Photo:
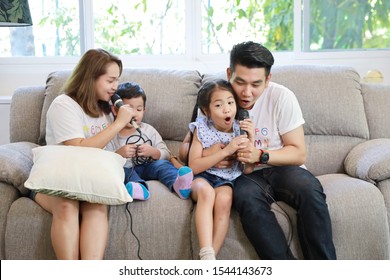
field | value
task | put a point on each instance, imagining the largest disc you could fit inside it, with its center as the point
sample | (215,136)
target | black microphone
(118,102)
(242,115)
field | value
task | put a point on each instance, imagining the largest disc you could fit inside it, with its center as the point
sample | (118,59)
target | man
(279,152)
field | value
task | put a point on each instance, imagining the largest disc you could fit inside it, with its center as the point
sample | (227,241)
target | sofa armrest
(369,160)
(16,160)
(25,114)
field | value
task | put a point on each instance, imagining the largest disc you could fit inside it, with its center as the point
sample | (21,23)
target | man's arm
(292,153)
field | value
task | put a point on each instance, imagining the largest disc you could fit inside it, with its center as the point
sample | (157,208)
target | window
(196,28)
(225,23)
(140,27)
(55,31)
(346,25)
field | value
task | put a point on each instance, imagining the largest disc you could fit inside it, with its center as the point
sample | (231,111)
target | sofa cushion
(25,114)
(358,214)
(162,225)
(16,160)
(369,160)
(54,83)
(87,174)
(173,93)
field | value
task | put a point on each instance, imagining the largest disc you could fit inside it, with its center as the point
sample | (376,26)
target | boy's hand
(146,150)
(127,151)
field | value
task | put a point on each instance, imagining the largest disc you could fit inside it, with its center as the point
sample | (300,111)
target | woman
(81,117)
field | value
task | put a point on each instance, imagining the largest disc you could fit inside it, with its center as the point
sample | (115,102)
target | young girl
(81,117)
(212,187)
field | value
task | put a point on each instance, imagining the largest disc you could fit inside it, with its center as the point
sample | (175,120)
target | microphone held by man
(242,115)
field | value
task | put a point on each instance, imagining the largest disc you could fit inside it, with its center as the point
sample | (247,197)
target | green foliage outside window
(158,27)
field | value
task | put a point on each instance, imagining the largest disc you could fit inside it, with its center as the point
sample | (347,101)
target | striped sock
(137,191)
(182,185)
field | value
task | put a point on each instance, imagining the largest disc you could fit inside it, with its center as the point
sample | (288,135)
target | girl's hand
(227,162)
(237,143)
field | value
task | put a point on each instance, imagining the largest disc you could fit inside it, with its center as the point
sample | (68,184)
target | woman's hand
(125,114)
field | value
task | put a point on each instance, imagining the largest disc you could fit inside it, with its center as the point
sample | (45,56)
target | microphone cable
(132,231)
(135,139)
(136,160)
(131,219)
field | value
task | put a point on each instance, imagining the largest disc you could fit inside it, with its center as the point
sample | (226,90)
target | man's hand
(249,154)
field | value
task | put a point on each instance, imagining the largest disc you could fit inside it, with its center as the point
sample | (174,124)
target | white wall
(18,72)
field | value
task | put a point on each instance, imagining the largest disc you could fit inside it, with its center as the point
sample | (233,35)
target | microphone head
(116,100)
(242,114)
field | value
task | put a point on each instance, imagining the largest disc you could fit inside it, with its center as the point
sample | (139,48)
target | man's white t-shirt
(66,120)
(275,113)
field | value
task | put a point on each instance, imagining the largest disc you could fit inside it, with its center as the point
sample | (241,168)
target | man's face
(248,84)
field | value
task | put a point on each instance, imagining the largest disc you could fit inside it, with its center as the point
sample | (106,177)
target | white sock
(207,253)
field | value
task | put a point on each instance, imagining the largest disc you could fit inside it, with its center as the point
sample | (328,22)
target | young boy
(148,157)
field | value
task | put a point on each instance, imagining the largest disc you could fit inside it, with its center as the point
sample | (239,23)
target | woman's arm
(101,139)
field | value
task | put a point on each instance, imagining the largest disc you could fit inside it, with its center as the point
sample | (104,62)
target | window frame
(193,50)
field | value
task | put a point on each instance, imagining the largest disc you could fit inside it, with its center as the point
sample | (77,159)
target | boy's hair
(251,55)
(131,90)
(81,83)
(206,91)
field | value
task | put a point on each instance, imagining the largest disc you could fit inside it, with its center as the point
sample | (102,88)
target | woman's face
(222,110)
(107,84)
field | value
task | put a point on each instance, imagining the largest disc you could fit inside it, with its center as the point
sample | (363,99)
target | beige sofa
(348,139)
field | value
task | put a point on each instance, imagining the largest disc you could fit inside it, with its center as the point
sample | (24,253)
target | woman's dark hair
(251,55)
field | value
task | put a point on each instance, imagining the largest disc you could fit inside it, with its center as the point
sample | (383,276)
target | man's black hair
(251,55)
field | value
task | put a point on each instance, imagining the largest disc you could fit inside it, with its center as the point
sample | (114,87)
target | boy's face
(248,84)
(137,104)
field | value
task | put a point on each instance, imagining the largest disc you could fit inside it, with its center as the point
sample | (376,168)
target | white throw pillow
(81,173)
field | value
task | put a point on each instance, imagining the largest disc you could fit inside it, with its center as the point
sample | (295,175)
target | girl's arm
(199,163)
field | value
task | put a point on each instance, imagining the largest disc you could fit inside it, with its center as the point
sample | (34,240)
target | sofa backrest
(170,97)
(334,104)
(333,108)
